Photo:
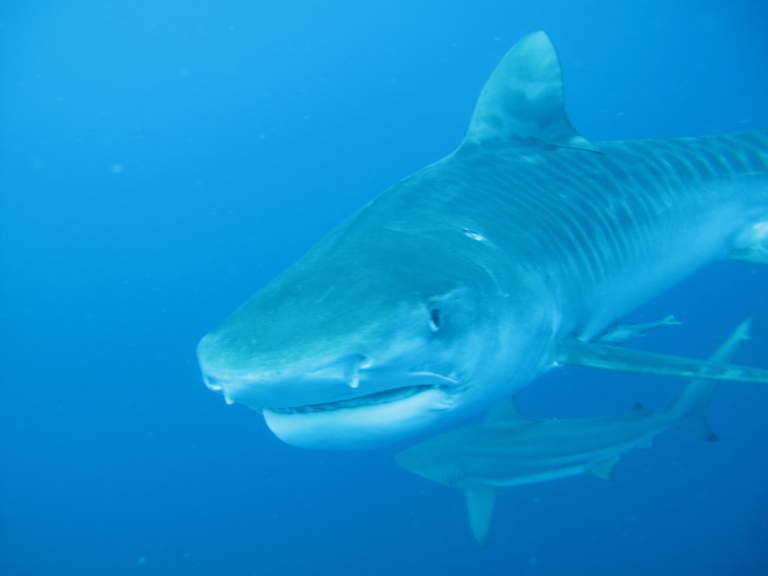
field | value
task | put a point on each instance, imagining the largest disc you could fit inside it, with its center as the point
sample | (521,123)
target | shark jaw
(366,409)
(365,421)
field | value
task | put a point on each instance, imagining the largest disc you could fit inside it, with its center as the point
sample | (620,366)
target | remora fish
(510,450)
(622,332)
(470,278)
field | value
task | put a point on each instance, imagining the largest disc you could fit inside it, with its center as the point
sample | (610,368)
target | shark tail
(690,406)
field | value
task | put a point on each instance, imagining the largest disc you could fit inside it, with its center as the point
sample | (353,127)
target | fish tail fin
(694,400)
(698,425)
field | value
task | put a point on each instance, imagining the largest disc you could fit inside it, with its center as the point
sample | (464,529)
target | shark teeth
(387,396)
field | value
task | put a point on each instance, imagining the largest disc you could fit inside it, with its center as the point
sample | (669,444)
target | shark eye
(434,319)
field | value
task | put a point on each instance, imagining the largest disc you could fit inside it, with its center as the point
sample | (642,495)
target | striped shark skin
(472,277)
(511,450)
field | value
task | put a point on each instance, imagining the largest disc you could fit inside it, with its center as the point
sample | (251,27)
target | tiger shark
(511,450)
(477,274)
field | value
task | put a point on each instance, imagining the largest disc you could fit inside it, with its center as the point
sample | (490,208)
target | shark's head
(374,336)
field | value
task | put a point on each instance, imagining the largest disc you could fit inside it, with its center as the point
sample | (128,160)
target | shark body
(511,450)
(470,278)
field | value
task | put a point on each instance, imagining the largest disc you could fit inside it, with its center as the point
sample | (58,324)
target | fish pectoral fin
(601,356)
(480,501)
(699,427)
(639,410)
(605,469)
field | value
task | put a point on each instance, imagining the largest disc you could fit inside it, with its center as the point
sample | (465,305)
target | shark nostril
(354,381)
(211,382)
(434,319)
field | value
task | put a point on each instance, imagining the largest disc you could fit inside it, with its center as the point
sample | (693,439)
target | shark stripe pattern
(606,218)
(472,277)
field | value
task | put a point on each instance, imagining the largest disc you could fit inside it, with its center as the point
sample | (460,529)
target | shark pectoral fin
(752,245)
(523,99)
(699,427)
(480,501)
(604,470)
(756,255)
(577,353)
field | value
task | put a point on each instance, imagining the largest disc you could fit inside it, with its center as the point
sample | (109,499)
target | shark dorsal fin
(507,410)
(523,99)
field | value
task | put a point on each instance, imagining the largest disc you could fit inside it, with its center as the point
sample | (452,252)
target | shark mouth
(384,397)
(365,421)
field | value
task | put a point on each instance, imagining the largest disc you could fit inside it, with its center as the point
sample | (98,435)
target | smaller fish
(509,449)
(622,332)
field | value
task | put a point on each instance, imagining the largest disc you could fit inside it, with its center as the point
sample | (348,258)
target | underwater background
(162,160)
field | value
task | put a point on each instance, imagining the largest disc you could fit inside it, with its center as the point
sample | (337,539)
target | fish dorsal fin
(506,411)
(639,409)
(480,500)
(523,99)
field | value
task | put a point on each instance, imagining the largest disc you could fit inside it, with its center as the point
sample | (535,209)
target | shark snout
(261,384)
(351,399)
(278,384)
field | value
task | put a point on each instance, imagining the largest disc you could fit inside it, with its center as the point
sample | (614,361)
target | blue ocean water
(161,161)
